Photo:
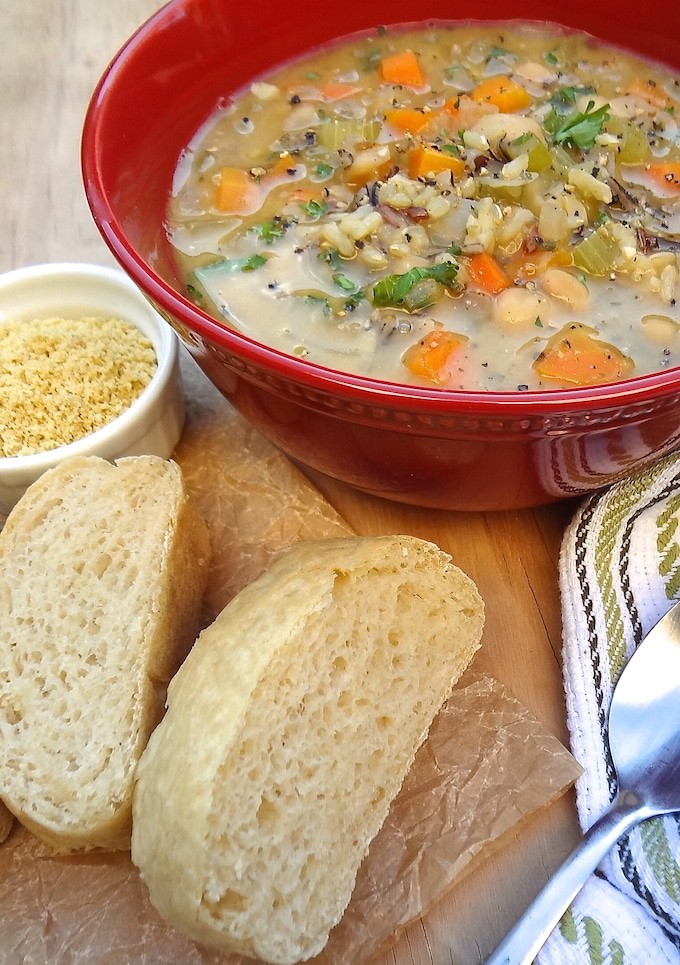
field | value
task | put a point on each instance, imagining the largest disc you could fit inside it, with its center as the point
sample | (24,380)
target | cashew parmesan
(63,378)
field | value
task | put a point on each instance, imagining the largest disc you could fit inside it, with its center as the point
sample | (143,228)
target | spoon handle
(526,938)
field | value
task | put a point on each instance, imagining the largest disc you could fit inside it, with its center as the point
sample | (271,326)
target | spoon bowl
(644,742)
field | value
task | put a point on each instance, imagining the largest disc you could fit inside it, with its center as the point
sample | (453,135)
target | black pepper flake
(295,99)
(523,388)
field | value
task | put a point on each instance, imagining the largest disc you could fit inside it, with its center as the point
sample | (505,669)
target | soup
(466,206)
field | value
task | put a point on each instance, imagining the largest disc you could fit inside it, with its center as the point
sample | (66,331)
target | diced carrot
(452,107)
(648,90)
(407,119)
(573,355)
(335,90)
(429,358)
(283,163)
(402,68)
(423,161)
(503,92)
(236,192)
(486,275)
(664,175)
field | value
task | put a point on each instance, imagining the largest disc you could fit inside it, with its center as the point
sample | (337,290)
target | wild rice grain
(63,378)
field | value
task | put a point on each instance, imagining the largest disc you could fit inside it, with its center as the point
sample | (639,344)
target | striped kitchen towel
(619,573)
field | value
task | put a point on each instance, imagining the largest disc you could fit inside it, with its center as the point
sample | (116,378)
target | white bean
(660,329)
(520,308)
(565,286)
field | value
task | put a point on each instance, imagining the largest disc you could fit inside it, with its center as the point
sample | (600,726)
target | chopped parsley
(450,149)
(331,256)
(392,290)
(315,209)
(319,300)
(578,128)
(353,300)
(564,99)
(254,262)
(269,231)
(330,305)
(228,265)
(342,281)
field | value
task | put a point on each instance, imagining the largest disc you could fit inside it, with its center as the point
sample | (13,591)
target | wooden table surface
(53,53)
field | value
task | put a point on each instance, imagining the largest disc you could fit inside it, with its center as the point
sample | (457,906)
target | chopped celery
(561,160)
(597,253)
(540,157)
(423,294)
(334,134)
(500,190)
(633,144)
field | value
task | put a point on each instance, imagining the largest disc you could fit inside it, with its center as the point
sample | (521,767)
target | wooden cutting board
(53,54)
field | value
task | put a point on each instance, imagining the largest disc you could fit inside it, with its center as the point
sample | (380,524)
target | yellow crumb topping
(62,378)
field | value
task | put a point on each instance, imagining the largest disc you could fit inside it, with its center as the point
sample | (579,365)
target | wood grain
(53,54)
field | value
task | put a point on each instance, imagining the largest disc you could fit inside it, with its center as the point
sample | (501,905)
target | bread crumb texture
(63,378)
(103,569)
(293,723)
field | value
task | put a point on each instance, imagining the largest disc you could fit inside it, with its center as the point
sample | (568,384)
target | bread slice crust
(289,730)
(103,570)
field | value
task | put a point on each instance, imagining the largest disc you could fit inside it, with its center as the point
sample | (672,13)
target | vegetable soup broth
(469,207)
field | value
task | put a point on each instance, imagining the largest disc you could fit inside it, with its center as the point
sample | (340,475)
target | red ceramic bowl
(453,450)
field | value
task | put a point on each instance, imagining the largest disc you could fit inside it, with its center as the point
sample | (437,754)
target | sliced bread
(289,730)
(102,573)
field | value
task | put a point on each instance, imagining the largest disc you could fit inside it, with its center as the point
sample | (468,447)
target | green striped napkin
(619,573)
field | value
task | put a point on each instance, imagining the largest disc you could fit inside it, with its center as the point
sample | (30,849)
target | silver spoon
(644,740)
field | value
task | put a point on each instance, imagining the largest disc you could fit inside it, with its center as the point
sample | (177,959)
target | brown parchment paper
(255,501)
(486,764)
